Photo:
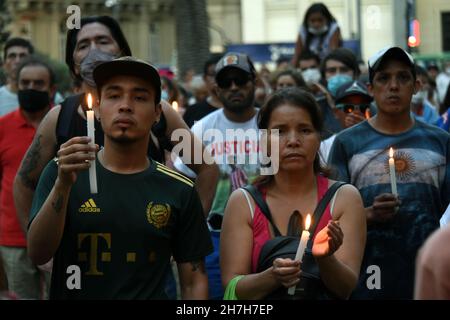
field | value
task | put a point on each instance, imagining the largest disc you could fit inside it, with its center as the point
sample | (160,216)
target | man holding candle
(99,39)
(397,224)
(123,237)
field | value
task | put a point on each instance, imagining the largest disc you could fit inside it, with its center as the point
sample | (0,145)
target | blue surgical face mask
(336,81)
(164,95)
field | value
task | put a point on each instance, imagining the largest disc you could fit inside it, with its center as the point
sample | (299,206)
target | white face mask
(319,31)
(311,76)
(419,97)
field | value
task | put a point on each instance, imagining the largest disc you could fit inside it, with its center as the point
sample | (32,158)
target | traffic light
(414,34)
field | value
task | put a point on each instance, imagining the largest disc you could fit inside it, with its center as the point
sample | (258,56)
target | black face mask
(32,100)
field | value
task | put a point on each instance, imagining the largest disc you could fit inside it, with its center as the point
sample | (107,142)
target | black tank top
(71,124)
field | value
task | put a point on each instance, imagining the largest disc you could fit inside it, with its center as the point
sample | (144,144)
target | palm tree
(192,23)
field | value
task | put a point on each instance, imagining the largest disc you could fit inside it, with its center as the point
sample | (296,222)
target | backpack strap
(261,203)
(320,209)
(63,126)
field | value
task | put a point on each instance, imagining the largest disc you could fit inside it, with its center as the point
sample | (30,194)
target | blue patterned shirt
(360,156)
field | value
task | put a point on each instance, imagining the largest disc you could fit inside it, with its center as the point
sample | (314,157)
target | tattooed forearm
(58,203)
(198,266)
(30,163)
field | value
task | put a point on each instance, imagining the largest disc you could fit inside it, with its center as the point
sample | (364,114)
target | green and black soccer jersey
(123,237)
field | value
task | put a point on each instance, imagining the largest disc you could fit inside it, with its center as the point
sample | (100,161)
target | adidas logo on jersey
(89,206)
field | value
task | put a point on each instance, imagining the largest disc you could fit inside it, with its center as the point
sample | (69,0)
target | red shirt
(16,136)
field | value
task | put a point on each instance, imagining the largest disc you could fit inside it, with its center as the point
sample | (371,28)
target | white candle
(175,106)
(302,247)
(392,172)
(91,134)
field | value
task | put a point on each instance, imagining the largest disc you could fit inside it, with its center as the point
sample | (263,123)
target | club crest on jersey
(158,214)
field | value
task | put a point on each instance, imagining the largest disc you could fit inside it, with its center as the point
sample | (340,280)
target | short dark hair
(17,42)
(420,71)
(298,98)
(344,55)
(107,21)
(213,59)
(35,61)
(299,81)
(309,55)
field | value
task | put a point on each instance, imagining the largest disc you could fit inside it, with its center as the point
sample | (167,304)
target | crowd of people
(168,225)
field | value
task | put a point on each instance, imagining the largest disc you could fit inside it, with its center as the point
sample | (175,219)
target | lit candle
(175,106)
(302,246)
(91,134)
(392,172)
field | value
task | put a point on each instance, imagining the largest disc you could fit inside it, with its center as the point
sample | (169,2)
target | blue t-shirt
(360,156)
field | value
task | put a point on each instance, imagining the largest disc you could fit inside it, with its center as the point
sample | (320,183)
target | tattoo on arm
(30,163)
(198,265)
(58,203)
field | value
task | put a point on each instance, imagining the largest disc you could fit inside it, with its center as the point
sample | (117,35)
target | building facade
(149,25)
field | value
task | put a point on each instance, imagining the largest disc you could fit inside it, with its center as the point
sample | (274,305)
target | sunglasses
(225,82)
(349,108)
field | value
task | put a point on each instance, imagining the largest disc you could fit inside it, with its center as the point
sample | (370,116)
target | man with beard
(123,237)
(99,39)
(36,84)
(227,134)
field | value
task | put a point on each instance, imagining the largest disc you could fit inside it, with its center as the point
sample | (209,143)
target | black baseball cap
(129,66)
(390,52)
(235,60)
(352,88)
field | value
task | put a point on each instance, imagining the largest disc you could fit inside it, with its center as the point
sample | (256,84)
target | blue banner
(271,52)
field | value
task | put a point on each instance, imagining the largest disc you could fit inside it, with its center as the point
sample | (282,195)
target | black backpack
(310,286)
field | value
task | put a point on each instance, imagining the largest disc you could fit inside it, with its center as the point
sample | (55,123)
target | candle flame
(307,222)
(175,106)
(391,153)
(89,101)
(367,114)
